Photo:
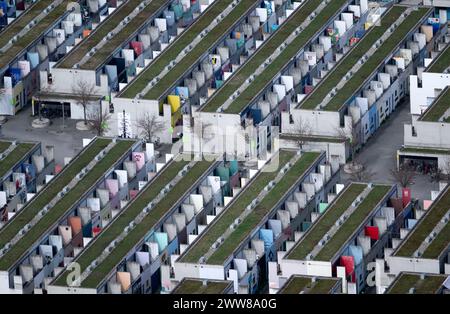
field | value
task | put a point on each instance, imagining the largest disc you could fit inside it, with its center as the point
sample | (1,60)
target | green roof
(312,138)
(358,78)
(171,52)
(297,284)
(221,29)
(17,154)
(30,210)
(268,48)
(23,20)
(60,208)
(424,227)
(197,286)
(139,232)
(421,150)
(249,223)
(348,61)
(4,146)
(129,213)
(255,60)
(431,284)
(229,215)
(321,226)
(102,55)
(361,213)
(438,108)
(441,63)
(34,33)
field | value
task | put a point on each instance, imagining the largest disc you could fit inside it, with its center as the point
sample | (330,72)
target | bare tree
(361,174)
(404,175)
(303,129)
(150,125)
(85,92)
(350,133)
(98,121)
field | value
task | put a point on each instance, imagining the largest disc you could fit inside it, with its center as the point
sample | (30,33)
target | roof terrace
(406,283)
(268,48)
(35,32)
(370,65)
(117,17)
(62,205)
(309,285)
(441,63)
(156,215)
(438,108)
(11,159)
(425,226)
(221,29)
(201,286)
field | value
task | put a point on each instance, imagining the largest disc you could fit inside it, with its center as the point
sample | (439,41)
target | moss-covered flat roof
(421,150)
(441,62)
(17,154)
(238,205)
(351,225)
(199,286)
(4,145)
(312,138)
(102,55)
(353,84)
(267,49)
(221,29)
(128,214)
(348,61)
(424,227)
(235,239)
(261,81)
(304,284)
(138,233)
(431,284)
(63,205)
(321,226)
(105,52)
(37,31)
(438,108)
(52,189)
(23,20)
(174,49)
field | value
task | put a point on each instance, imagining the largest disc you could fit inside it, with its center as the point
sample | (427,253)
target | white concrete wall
(321,123)
(420,97)
(429,134)
(64,80)
(332,149)
(437,3)
(67,290)
(137,108)
(398,264)
(313,268)
(204,271)
(4,283)
(223,133)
